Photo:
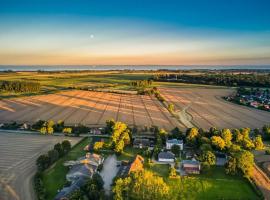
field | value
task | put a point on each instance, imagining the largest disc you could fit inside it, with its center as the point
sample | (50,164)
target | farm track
(165,113)
(208,109)
(262,182)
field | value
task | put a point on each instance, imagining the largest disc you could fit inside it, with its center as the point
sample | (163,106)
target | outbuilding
(166,157)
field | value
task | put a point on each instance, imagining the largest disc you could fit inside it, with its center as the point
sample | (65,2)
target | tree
(120,136)
(97,179)
(231,166)
(245,162)
(43,162)
(98,145)
(248,144)
(258,143)
(209,158)
(234,148)
(53,155)
(121,188)
(67,131)
(109,126)
(192,135)
(76,195)
(119,147)
(43,130)
(58,147)
(172,172)
(50,130)
(177,134)
(176,150)
(66,146)
(171,108)
(227,137)
(266,131)
(141,185)
(205,147)
(238,137)
(218,142)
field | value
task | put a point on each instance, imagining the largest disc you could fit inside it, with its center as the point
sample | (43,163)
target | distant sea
(129,67)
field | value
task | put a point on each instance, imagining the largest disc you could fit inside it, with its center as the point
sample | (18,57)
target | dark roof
(166,155)
(191,162)
(145,142)
(66,191)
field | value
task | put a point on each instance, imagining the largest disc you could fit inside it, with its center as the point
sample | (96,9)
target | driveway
(109,171)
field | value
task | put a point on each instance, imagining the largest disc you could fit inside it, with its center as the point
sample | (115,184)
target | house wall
(165,160)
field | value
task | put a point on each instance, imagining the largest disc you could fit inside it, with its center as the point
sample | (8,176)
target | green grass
(160,169)
(53,82)
(129,153)
(214,184)
(55,177)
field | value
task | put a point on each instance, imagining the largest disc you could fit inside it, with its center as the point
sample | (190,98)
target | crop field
(17,164)
(88,108)
(205,108)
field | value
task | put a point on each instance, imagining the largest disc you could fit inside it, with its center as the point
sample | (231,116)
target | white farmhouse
(170,143)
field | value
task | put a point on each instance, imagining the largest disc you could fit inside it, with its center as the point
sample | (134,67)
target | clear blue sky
(123,31)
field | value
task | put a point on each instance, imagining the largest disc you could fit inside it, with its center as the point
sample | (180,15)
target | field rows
(17,164)
(89,108)
(208,109)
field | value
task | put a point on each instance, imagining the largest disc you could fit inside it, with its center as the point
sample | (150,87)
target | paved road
(18,153)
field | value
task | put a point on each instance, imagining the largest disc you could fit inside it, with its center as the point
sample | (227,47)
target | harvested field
(208,109)
(17,164)
(89,108)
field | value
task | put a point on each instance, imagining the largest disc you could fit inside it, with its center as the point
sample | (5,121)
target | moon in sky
(92,36)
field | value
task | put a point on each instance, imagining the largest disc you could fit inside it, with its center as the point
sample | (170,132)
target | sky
(134,32)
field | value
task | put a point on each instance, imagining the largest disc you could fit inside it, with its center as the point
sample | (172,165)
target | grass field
(214,184)
(55,177)
(55,81)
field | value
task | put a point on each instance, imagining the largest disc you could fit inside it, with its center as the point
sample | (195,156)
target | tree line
(20,86)
(224,79)
(44,161)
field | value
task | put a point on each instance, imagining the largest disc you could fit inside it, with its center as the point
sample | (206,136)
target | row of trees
(226,79)
(49,127)
(20,86)
(142,83)
(236,144)
(44,161)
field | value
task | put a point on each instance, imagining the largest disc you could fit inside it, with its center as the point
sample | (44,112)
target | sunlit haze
(121,32)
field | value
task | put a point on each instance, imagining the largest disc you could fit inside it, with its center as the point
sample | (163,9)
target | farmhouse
(166,157)
(80,170)
(191,166)
(170,143)
(136,165)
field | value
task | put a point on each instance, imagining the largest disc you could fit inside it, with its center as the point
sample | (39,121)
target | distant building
(170,143)
(166,157)
(191,166)
(141,143)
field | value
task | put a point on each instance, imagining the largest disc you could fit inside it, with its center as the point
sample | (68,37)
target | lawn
(129,153)
(214,184)
(55,177)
